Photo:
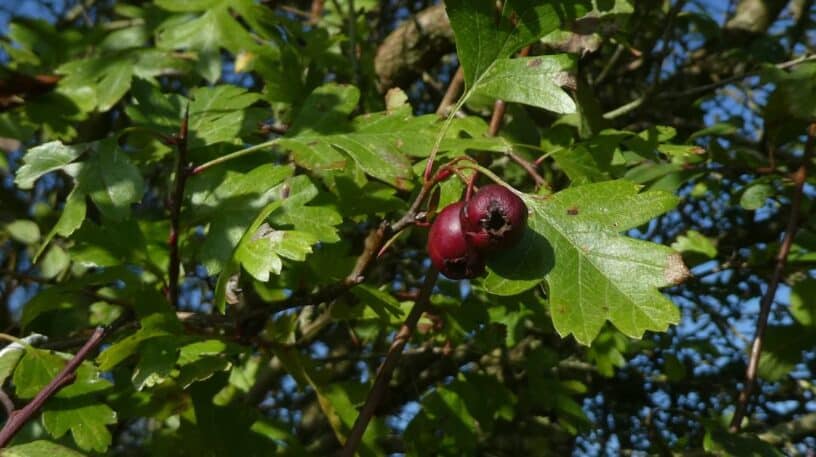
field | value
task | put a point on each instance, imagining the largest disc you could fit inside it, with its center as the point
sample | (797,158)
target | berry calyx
(494,218)
(449,250)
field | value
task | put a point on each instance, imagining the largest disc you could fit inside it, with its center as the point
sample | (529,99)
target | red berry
(449,250)
(495,218)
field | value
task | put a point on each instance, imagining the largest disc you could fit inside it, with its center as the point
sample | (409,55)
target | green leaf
(696,244)
(592,265)
(111,180)
(217,113)
(108,245)
(183,6)
(482,37)
(755,196)
(158,358)
(607,351)
(151,107)
(722,443)
(12,353)
(379,143)
(611,206)
(259,258)
(54,262)
(199,350)
(381,302)
(205,35)
(443,409)
(24,231)
(783,349)
(515,270)
(87,423)
(231,202)
(108,77)
(45,158)
(71,218)
(803,302)
(534,81)
(319,221)
(40,449)
(153,326)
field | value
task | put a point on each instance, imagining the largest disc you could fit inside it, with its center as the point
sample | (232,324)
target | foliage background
(708,101)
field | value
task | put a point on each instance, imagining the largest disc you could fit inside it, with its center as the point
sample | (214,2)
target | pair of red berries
(465,232)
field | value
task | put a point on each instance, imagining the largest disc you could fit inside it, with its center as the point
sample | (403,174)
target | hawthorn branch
(386,369)
(176,198)
(316,11)
(454,88)
(799,177)
(499,109)
(18,418)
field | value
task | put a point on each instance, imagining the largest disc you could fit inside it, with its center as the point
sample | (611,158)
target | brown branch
(798,177)
(529,168)
(18,418)
(316,12)
(735,78)
(182,172)
(454,89)
(499,109)
(8,405)
(386,369)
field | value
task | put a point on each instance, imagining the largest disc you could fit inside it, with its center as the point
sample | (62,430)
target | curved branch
(781,259)
(375,395)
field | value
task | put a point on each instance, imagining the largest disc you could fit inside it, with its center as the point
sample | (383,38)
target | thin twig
(739,77)
(233,155)
(182,172)
(499,109)
(316,12)
(386,369)
(781,259)
(8,405)
(454,88)
(529,168)
(18,418)
(636,103)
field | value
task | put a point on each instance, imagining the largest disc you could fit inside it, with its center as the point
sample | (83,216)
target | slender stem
(799,177)
(386,369)
(316,11)
(739,77)
(10,338)
(499,108)
(454,88)
(176,198)
(233,155)
(8,405)
(636,103)
(626,108)
(18,418)
(441,135)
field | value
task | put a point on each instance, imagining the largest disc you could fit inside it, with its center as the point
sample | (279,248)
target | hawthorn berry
(494,218)
(449,250)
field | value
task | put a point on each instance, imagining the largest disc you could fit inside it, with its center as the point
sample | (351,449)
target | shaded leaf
(40,449)
(24,231)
